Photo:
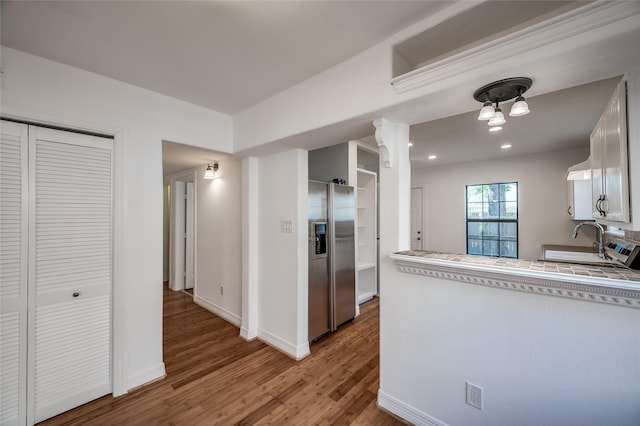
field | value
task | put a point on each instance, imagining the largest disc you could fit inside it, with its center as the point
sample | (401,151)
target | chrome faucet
(600,241)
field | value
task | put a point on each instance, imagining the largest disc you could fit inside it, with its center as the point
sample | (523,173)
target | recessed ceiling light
(410,144)
(506,146)
(495,128)
(432,157)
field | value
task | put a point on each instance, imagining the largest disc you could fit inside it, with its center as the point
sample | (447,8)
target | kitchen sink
(573,254)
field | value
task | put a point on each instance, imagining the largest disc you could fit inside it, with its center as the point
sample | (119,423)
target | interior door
(70,270)
(13,272)
(416,219)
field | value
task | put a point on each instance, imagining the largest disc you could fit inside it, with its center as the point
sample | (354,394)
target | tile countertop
(607,272)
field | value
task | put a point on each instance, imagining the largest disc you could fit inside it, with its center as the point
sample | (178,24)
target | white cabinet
(609,162)
(367,200)
(579,199)
(579,191)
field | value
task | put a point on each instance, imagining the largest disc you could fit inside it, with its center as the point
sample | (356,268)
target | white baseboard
(247,334)
(218,310)
(406,411)
(288,348)
(146,376)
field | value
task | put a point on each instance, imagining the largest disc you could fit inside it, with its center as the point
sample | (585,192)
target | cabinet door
(616,179)
(597,164)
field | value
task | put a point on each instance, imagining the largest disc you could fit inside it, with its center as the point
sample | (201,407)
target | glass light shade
(209,173)
(498,119)
(487,112)
(520,107)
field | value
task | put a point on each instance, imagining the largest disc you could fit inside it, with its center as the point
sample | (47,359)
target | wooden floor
(216,378)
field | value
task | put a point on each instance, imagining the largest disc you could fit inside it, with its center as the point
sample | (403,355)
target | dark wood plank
(215,377)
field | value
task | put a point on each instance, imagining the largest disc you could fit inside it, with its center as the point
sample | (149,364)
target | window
(492,219)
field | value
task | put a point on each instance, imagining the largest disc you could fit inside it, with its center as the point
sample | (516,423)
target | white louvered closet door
(70,270)
(13,272)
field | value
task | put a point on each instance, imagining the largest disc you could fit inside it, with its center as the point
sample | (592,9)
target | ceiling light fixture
(506,146)
(210,171)
(495,128)
(432,157)
(501,91)
(410,144)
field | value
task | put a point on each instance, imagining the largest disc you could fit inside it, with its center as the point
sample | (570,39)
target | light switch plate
(286,226)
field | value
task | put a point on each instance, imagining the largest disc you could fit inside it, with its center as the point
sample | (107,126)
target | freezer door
(319,278)
(343,263)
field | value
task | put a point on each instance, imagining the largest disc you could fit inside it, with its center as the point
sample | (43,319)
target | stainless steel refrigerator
(332,260)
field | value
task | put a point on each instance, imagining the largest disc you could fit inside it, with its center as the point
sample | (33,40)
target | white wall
(326,164)
(541,360)
(283,257)
(219,241)
(542,196)
(44,91)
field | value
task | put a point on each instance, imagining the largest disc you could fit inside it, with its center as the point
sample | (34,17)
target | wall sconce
(210,171)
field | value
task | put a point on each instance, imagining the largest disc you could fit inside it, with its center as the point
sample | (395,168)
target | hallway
(215,377)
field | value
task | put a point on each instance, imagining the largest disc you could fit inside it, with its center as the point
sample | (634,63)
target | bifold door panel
(68,272)
(13,273)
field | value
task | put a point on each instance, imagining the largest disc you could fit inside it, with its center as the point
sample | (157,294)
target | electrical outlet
(474,395)
(221,291)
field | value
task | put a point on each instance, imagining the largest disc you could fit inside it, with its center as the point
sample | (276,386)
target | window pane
(490,230)
(490,193)
(508,231)
(474,194)
(509,191)
(474,210)
(490,248)
(509,210)
(474,230)
(508,249)
(474,246)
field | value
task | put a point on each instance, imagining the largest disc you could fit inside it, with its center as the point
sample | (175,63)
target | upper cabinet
(609,161)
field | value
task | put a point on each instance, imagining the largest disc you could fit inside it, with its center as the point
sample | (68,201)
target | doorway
(182,233)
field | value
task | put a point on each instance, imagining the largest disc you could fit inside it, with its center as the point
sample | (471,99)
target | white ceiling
(223,55)
(559,120)
(230,55)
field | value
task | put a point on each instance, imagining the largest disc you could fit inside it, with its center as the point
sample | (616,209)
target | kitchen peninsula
(546,343)
(605,284)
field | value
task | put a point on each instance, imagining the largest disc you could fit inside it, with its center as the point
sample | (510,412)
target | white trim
(406,411)
(577,22)
(120,144)
(250,244)
(288,348)
(608,291)
(149,375)
(218,310)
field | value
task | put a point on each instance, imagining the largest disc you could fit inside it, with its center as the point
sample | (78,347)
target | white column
(249,327)
(394,202)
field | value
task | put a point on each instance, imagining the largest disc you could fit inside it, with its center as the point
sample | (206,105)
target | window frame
(498,221)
